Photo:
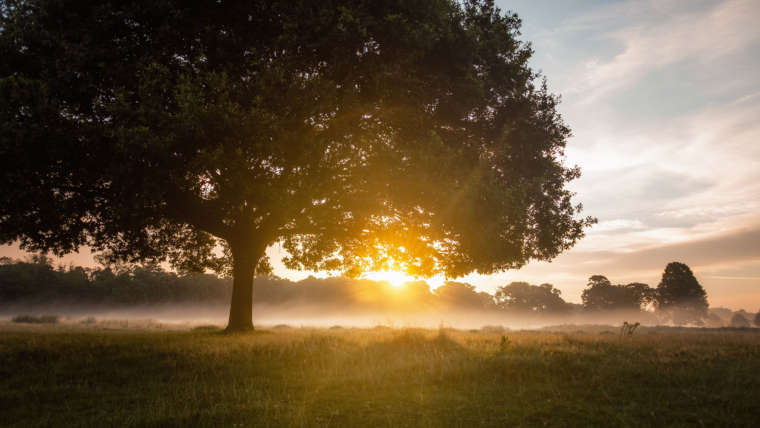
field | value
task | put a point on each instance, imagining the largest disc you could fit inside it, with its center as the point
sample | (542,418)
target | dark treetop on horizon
(602,295)
(357,134)
(680,293)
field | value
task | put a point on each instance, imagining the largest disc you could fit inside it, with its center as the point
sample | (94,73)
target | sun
(397,278)
(394,278)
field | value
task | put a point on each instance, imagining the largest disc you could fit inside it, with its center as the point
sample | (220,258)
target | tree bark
(244,263)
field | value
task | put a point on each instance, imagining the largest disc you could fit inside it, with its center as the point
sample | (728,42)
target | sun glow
(398,279)
(394,278)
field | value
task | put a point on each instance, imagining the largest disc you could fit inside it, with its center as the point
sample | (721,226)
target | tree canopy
(461,295)
(739,321)
(681,295)
(358,134)
(533,298)
(601,294)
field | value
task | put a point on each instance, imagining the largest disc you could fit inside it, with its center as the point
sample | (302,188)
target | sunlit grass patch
(377,377)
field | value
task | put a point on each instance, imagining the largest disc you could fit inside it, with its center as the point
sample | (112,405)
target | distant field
(61,375)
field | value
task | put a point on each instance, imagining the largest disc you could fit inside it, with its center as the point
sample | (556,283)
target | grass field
(86,376)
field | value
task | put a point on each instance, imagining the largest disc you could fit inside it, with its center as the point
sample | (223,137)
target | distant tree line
(36,281)
(678,297)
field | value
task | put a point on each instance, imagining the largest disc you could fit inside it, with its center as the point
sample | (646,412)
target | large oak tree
(370,134)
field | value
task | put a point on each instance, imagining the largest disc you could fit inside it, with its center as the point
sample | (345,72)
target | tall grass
(379,377)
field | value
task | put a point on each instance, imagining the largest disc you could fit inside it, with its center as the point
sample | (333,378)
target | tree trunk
(241,307)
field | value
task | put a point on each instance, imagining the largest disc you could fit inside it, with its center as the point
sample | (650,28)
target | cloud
(693,175)
(618,225)
(672,32)
(729,248)
(726,264)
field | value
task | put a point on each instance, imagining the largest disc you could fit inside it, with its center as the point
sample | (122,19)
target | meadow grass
(67,376)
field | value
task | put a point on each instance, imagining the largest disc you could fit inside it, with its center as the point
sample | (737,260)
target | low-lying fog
(316,316)
(32,289)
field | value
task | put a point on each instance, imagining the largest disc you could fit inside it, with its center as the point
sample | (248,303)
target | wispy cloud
(672,33)
(726,264)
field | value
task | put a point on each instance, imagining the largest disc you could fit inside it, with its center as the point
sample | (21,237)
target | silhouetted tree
(756,319)
(713,320)
(360,135)
(680,295)
(458,295)
(17,280)
(724,314)
(526,297)
(601,294)
(744,313)
(36,283)
(642,294)
(739,321)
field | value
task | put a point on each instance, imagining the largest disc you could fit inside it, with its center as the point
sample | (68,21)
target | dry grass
(58,375)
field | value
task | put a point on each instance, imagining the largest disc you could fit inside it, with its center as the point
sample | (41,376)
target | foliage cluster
(530,298)
(602,295)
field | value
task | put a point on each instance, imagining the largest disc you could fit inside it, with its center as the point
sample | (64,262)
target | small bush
(31,319)
(89,320)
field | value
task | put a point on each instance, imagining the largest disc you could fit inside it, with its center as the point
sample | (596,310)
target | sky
(663,98)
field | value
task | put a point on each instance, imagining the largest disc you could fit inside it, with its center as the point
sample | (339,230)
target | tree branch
(186,207)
